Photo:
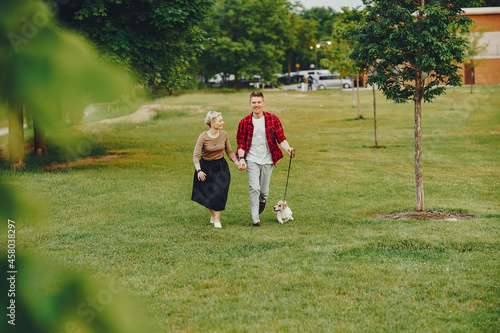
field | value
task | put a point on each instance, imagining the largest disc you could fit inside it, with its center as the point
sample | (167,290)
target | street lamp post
(316,51)
(312,48)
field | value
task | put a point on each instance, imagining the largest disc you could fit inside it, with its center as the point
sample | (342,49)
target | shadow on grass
(60,152)
(358,118)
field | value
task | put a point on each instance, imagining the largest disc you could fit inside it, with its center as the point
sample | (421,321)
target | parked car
(331,82)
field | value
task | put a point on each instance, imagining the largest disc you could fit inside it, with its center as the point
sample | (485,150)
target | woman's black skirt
(212,193)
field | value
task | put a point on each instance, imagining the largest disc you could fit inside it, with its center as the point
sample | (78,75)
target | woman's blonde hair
(210,117)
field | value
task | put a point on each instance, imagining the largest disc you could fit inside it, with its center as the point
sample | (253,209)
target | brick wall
(490,22)
(488,70)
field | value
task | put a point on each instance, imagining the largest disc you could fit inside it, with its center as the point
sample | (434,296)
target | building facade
(487,63)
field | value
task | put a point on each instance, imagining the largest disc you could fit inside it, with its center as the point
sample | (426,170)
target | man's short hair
(256,94)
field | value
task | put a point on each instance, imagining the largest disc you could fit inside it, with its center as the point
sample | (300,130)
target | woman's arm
(196,158)
(230,152)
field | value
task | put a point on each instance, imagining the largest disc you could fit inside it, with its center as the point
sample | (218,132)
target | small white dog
(284,212)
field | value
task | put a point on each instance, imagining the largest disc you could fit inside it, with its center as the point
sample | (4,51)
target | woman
(212,176)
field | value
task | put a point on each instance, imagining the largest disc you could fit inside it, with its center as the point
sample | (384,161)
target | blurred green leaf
(48,298)
(51,71)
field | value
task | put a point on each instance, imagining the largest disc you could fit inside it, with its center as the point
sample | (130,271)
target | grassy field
(335,267)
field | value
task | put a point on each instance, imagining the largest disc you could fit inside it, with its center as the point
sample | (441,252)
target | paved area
(5,130)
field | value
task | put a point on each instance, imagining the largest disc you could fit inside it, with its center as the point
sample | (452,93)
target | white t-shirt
(259,150)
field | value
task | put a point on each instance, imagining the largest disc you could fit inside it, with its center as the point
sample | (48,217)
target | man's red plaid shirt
(274,134)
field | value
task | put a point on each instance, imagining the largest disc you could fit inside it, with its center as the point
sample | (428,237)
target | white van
(219,78)
(315,73)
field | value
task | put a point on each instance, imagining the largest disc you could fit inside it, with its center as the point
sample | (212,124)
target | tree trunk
(472,78)
(341,94)
(353,99)
(237,81)
(357,90)
(16,135)
(40,142)
(419,170)
(454,97)
(375,115)
(289,65)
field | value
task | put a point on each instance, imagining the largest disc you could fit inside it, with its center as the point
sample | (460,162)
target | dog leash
(289,166)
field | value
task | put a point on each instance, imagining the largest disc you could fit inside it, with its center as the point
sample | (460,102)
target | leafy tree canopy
(323,17)
(337,53)
(403,40)
(155,39)
(302,33)
(248,37)
(49,70)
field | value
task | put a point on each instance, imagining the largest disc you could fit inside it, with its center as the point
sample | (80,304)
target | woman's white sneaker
(217,225)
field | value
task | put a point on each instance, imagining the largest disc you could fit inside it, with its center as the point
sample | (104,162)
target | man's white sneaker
(217,225)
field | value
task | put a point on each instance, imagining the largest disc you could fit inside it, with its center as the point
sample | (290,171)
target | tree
(301,33)
(324,18)
(414,53)
(375,121)
(474,35)
(337,53)
(16,134)
(46,71)
(248,37)
(155,39)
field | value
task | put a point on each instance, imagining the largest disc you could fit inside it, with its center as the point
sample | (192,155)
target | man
(258,136)
(310,81)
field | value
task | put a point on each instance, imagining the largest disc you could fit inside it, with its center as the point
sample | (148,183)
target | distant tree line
(164,44)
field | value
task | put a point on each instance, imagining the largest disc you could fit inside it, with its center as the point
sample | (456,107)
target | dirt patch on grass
(148,112)
(144,113)
(426,215)
(64,166)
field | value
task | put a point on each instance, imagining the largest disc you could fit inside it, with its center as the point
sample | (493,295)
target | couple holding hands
(258,136)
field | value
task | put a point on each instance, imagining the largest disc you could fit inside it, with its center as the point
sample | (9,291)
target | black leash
(289,166)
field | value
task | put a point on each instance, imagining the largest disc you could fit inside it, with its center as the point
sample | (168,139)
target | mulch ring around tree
(426,215)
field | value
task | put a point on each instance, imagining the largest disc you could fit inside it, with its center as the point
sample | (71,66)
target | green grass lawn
(335,267)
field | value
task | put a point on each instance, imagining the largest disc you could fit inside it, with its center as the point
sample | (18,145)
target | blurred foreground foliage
(49,298)
(52,75)
(157,40)
(53,72)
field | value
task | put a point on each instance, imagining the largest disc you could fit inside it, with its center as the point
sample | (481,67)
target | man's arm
(285,145)
(242,165)
(240,140)
(241,153)
(280,136)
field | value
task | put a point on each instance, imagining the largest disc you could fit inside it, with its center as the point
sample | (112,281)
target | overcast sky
(335,4)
